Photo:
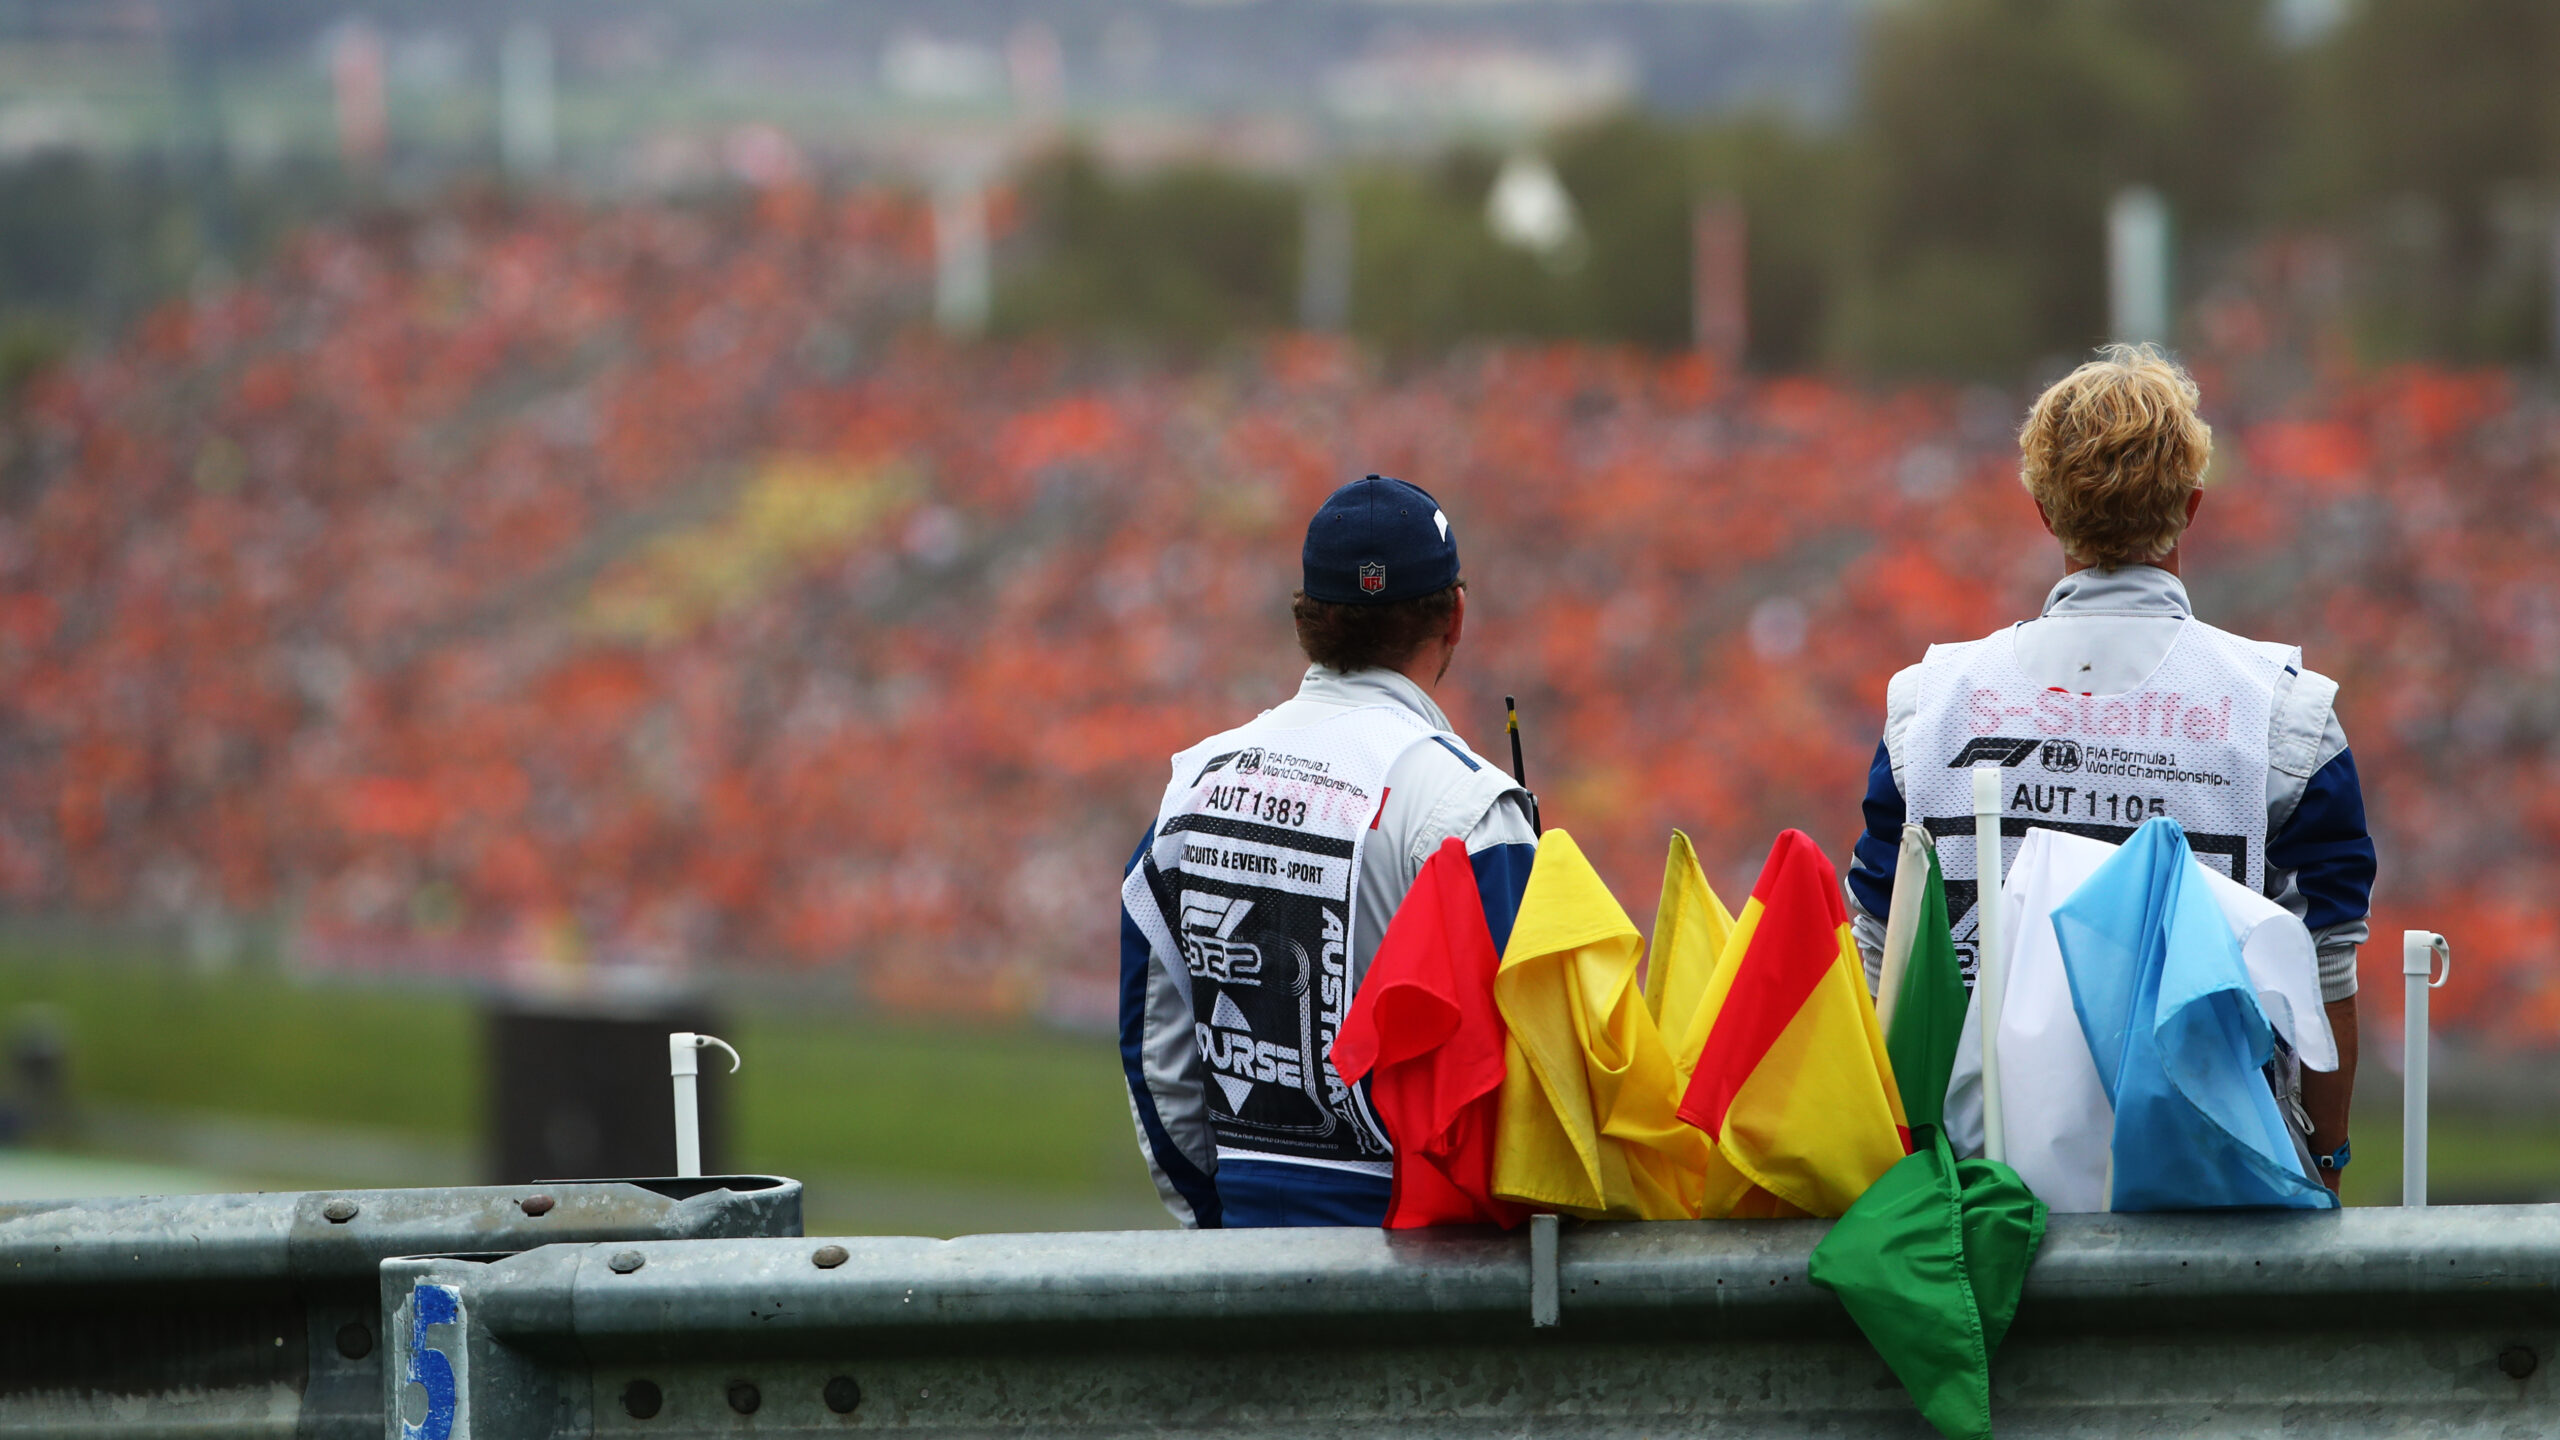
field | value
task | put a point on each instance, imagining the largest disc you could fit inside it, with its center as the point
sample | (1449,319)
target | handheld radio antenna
(1520,772)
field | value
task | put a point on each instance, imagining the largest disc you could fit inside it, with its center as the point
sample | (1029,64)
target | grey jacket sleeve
(1160,1059)
(1869,882)
(1175,1084)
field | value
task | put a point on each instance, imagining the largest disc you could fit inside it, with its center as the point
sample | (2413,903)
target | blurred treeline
(1954,225)
(87,244)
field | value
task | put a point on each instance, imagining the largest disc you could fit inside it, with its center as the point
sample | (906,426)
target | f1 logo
(2008,752)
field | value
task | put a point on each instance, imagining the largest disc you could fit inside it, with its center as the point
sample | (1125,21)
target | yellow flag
(1694,951)
(1590,1096)
(1690,930)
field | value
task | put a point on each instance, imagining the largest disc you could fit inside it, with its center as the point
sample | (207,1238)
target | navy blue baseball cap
(1378,540)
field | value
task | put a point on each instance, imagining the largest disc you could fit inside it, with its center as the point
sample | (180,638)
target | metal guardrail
(2367,1322)
(257,1315)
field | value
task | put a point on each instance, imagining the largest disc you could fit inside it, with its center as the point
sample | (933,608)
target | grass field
(896,1127)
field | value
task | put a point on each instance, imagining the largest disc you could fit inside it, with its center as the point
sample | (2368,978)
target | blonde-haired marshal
(2112,453)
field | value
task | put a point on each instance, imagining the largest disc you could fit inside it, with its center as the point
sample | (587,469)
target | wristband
(2336,1160)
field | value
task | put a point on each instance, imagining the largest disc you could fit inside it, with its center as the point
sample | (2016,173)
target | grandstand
(520,588)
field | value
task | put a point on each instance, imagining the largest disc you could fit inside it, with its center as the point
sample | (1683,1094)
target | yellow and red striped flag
(1692,946)
(1793,1084)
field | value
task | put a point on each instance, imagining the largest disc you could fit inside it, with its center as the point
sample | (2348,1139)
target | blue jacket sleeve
(1879,848)
(2326,846)
(1502,877)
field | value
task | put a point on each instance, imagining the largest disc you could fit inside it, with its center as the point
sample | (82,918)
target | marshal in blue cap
(1252,909)
(1376,541)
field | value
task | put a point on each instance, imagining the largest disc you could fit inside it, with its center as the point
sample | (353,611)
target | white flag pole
(684,1062)
(2419,951)
(1990,976)
(1902,921)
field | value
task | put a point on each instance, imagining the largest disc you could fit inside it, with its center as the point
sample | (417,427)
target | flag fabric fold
(1931,1259)
(2055,1118)
(1691,929)
(2173,1022)
(1930,1262)
(1692,943)
(1928,1008)
(1588,1114)
(1793,1083)
(1424,1028)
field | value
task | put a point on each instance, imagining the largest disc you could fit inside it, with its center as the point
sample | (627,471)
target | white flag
(2058,1123)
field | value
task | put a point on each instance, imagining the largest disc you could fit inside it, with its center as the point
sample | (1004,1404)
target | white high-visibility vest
(2190,742)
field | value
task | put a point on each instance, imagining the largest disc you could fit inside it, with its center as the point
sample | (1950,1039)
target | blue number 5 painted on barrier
(431,1370)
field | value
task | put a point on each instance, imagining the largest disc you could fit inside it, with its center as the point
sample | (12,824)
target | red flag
(1424,1022)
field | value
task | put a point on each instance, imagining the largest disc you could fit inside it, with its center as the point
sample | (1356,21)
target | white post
(684,1062)
(2138,301)
(1902,924)
(1325,254)
(355,80)
(1720,280)
(2419,950)
(963,290)
(526,137)
(1990,975)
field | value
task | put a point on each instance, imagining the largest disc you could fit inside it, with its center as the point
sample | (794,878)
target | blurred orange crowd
(630,589)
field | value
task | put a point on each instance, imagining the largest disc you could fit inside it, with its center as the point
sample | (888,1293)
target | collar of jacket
(2132,590)
(1370,687)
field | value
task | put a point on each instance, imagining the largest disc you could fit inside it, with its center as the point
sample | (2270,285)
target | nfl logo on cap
(1378,541)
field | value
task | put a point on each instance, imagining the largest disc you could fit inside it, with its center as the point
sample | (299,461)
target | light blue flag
(2174,1024)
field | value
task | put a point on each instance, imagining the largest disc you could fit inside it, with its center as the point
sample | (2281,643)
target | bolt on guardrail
(238,1315)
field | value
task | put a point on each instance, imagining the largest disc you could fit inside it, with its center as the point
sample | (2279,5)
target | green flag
(1929,1263)
(1928,1016)
(1931,1259)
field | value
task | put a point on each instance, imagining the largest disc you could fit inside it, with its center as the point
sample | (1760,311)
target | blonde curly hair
(2112,451)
